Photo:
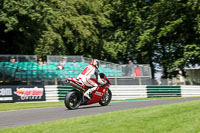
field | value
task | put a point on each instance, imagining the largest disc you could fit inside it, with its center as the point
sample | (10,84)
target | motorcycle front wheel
(73,100)
(105,100)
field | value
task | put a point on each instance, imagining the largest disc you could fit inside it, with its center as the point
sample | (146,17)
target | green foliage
(53,27)
(166,32)
(170,28)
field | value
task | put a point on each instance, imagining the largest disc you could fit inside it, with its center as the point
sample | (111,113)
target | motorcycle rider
(85,77)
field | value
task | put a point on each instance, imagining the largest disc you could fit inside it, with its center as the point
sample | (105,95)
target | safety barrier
(163,91)
(119,92)
(128,91)
(58,93)
(190,91)
(53,93)
(62,91)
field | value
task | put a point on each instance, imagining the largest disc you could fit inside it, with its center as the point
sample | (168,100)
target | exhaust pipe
(75,85)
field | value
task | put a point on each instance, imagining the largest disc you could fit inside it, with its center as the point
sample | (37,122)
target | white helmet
(95,63)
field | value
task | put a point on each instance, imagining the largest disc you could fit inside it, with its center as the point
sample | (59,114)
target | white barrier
(122,92)
(190,91)
(118,92)
(51,93)
(128,91)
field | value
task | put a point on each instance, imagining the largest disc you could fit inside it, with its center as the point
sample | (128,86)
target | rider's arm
(98,78)
(100,81)
(96,73)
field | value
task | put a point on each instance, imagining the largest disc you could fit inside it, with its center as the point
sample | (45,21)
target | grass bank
(28,105)
(173,118)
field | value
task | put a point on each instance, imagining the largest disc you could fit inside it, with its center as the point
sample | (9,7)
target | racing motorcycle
(75,97)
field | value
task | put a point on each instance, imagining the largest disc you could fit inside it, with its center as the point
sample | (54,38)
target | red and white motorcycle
(75,97)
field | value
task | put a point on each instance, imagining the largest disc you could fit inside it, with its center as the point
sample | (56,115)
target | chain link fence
(110,69)
(26,68)
(18,58)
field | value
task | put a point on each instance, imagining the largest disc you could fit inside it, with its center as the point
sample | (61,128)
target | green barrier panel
(163,91)
(63,90)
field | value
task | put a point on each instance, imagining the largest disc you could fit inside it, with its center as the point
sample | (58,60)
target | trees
(52,27)
(19,25)
(171,28)
(164,32)
(127,20)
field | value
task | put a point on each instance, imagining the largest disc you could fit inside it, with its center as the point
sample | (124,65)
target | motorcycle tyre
(108,101)
(67,100)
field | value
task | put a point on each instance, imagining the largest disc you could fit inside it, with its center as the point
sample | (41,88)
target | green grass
(28,105)
(173,118)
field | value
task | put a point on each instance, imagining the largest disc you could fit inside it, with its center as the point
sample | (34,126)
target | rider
(85,76)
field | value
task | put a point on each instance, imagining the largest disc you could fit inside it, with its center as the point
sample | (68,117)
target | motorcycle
(76,98)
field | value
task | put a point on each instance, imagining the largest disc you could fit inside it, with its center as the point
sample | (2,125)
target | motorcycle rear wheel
(73,100)
(105,100)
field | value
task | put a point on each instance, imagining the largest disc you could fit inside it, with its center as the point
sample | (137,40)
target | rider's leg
(89,91)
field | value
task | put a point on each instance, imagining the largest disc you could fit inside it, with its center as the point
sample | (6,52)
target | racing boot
(87,93)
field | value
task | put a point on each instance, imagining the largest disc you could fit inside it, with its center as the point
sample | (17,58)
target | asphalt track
(32,116)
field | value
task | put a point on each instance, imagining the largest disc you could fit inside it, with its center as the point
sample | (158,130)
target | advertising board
(6,94)
(21,93)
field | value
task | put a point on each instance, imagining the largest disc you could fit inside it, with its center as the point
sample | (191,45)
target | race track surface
(33,116)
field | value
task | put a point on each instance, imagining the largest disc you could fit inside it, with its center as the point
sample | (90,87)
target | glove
(101,85)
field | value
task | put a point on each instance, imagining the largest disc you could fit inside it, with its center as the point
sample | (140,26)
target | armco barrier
(62,91)
(128,91)
(58,93)
(190,91)
(163,91)
(51,93)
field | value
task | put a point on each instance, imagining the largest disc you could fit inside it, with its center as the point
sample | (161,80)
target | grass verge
(28,105)
(173,118)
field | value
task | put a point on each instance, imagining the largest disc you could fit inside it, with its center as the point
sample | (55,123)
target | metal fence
(14,66)
(67,58)
(18,58)
(16,69)
(25,68)
(112,69)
